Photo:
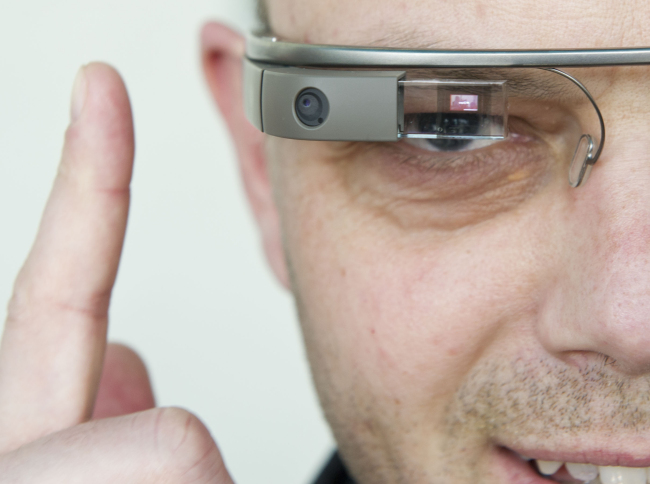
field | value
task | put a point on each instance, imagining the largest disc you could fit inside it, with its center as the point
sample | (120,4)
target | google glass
(446,102)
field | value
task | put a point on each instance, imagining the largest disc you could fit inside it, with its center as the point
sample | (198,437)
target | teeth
(584,472)
(548,467)
(591,474)
(622,475)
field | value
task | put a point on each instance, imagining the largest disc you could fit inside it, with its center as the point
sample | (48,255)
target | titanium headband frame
(270,50)
(275,68)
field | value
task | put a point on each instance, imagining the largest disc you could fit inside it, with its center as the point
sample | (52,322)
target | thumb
(124,387)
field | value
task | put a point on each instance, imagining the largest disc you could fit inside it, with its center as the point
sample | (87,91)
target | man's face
(448,332)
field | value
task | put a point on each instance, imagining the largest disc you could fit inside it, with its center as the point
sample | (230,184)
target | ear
(222,52)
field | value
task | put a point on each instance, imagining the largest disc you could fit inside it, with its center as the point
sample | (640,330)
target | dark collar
(334,472)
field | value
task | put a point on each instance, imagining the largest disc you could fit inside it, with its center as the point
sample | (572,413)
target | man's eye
(450,126)
(449,145)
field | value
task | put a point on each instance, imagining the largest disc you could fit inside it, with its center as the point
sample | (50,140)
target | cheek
(408,322)
(399,317)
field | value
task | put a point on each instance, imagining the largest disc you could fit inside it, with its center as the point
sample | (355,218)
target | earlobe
(222,53)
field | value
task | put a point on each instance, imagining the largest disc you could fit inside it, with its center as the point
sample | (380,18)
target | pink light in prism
(464,102)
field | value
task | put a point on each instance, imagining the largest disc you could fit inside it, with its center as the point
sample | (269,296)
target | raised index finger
(55,334)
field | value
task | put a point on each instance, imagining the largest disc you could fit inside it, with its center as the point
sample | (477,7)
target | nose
(599,304)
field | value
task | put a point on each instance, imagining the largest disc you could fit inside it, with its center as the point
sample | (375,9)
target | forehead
(471,24)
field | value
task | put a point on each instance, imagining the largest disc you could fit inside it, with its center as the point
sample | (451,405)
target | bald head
(477,24)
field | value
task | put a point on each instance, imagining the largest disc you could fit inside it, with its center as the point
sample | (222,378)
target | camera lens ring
(312,107)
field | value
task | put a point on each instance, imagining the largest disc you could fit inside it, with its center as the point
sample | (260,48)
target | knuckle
(31,299)
(38,291)
(184,446)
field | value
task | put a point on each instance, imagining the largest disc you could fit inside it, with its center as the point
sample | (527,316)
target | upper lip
(586,455)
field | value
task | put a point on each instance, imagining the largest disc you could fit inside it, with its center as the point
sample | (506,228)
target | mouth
(577,468)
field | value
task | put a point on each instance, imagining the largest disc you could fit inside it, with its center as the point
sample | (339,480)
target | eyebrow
(521,81)
(406,40)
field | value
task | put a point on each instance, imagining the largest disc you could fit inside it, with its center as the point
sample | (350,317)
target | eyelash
(422,153)
(430,145)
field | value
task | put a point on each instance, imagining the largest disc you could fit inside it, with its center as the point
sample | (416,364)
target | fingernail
(79,90)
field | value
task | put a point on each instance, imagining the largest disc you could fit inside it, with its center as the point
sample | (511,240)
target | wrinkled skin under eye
(418,189)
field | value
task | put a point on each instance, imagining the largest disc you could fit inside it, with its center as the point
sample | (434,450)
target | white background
(194,295)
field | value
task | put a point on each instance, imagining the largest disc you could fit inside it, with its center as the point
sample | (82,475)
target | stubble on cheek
(541,402)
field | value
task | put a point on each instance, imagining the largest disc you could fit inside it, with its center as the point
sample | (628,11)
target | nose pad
(582,161)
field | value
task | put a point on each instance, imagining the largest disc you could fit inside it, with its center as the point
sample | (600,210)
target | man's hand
(54,344)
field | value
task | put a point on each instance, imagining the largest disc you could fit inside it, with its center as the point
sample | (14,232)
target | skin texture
(443,327)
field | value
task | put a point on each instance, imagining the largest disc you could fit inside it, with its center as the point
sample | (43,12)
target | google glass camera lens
(312,107)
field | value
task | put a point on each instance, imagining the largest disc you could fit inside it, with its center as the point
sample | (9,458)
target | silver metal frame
(272,50)
(267,53)
(591,158)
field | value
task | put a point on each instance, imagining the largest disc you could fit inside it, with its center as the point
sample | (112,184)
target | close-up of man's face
(452,204)
(461,318)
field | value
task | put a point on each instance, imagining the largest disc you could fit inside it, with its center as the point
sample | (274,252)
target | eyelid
(426,145)
(405,153)
(461,167)
(416,150)
(492,178)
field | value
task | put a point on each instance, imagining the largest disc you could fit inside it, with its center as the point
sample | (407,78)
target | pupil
(306,103)
(450,144)
(456,124)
